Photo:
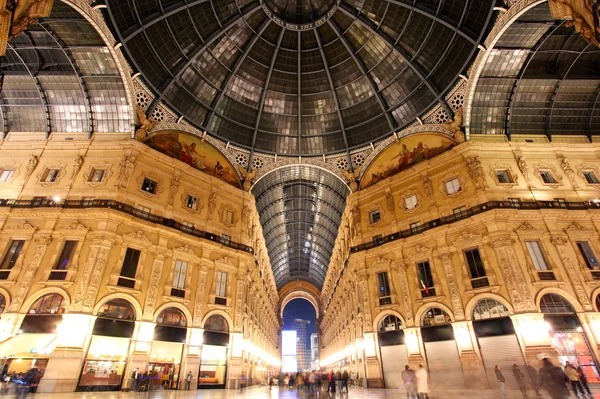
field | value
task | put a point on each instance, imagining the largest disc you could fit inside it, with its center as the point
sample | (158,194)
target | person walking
(338,381)
(188,380)
(573,375)
(535,378)
(408,378)
(331,382)
(312,383)
(520,377)
(422,382)
(134,380)
(554,380)
(501,380)
(345,378)
(243,381)
(583,380)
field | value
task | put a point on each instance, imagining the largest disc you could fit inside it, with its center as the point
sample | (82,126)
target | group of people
(142,382)
(416,383)
(555,380)
(333,382)
(19,383)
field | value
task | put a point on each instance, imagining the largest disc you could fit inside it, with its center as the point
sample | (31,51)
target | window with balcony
(384,289)
(539,260)
(64,261)
(476,268)
(129,268)
(10,258)
(221,289)
(179,277)
(425,279)
(588,254)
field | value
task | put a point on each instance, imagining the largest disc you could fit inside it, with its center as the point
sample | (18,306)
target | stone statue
(390,201)
(352,176)
(146,124)
(31,165)
(523,167)
(212,202)
(76,166)
(454,126)
(476,172)
(125,170)
(428,187)
(579,14)
(566,167)
(174,187)
(248,176)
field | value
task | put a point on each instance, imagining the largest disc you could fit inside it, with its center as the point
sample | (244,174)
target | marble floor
(260,392)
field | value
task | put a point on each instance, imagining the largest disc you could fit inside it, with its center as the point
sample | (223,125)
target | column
(532,332)
(191,358)
(139,352)
(373,370)
(414,347)
(235,362)
(470,357)
(66,360)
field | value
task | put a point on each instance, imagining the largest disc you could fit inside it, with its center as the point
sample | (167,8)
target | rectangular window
(221,290)
(473,258)
(514,202)
(537,256)
(384,285)
(547,177)
(227,216)
(187,225)
(588,254)
(66,256)
(503,176)
(590,177)
(51,175)
(225,239)
(97,175)
(11,256)
(192,202)
(375,216)
(452,186)
(425,279)
(560,202)
(461,211)
(410,202)
(149,185)
(5,175)
(130,263)
(144,209)
(180,274)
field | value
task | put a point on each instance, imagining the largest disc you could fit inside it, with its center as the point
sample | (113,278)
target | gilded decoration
(579,14)
(196,152)
(403,154)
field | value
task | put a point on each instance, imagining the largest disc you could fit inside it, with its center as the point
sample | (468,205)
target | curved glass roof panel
(300,77)
(300,210)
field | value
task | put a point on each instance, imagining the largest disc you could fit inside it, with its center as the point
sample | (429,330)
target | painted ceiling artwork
(405,153)
(195,152)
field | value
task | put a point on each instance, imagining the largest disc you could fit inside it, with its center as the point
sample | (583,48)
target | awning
(28,346)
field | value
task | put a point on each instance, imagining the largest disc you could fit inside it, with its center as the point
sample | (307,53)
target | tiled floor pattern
(261,392)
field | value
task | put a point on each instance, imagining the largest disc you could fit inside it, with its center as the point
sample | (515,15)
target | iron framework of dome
(300,210)
(300,77)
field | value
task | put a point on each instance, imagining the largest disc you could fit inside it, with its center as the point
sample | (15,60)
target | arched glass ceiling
(300,210)
(540,78)
(59,76)
(232,68)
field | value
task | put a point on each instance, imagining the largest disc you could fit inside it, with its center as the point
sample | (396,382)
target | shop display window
(573,348)
(117,309)
(216,323)
(213,365)
(48,304)
(489,309)
(435,317)
(172,317)
(105,362)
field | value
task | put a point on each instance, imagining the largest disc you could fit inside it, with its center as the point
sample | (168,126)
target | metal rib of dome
(300,211)
(366,69)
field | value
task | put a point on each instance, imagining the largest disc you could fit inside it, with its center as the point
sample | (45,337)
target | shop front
(109,347)
(567,336)
(213,359)
(394,355)
(31,348)
(167,348)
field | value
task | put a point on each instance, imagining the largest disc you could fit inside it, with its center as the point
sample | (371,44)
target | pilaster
(470,358)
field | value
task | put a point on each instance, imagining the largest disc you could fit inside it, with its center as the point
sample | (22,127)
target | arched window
(435,317)
(48,304)
(216,323)
(2,303)
(598,302)
(489,309)
(172,317)
(556,304)
(390,323)
(118,308)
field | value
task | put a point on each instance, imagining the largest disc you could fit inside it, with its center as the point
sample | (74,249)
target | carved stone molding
(16,171)
(138,237)
(105,166)
(55,166)
(543,167)
(468,239)
(154,177)
(452,281)
(446,178)
(476,172)
(571,267)
(514,177)
(579,14)
(405,297)
(223,210)
(199,202)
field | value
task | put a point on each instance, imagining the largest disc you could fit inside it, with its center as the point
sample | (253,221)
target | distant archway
(299,289)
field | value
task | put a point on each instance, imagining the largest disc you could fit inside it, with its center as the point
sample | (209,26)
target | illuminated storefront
(213,360)
(107,354)
(567,335)
(393,350)
(167,348)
